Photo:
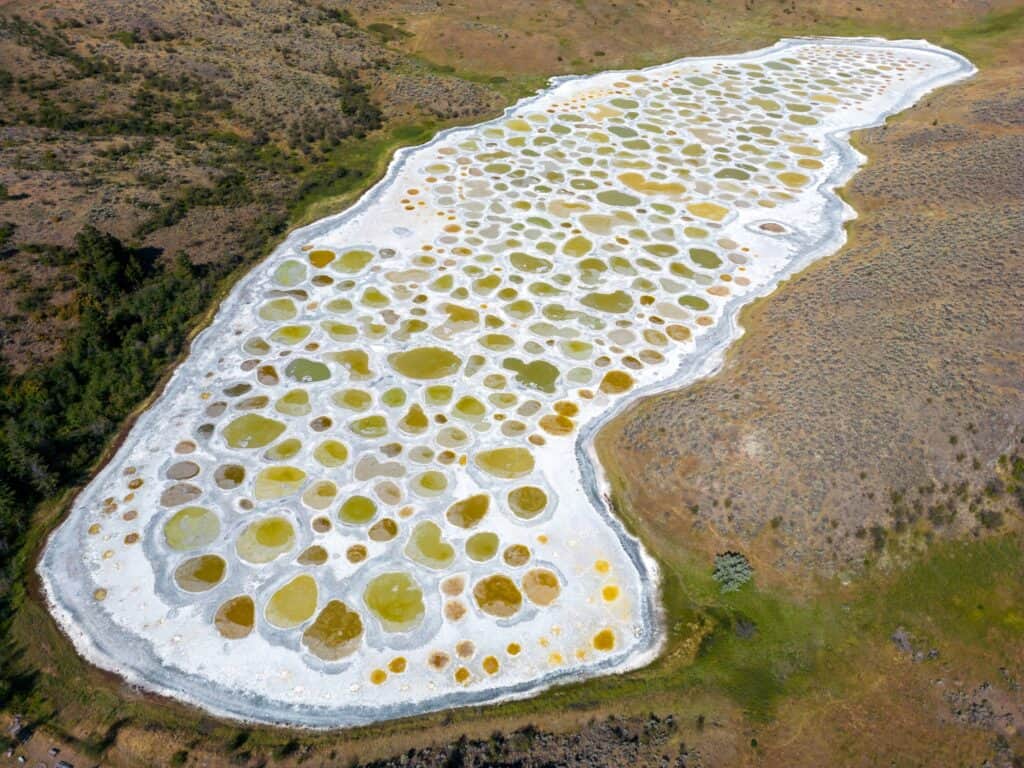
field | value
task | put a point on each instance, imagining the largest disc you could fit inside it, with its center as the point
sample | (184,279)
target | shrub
(732,571)
(991,518)
(7,229)
(388,33)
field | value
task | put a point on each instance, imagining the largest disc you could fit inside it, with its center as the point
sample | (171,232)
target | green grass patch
(387,32)
(970,593)
(336,180)
(764,647)
(983,41)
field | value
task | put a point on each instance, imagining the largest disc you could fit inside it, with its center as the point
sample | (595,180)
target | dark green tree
(106,268)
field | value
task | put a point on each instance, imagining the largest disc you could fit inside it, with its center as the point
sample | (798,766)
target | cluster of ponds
(361,496)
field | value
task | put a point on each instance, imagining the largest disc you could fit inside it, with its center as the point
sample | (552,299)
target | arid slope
(871,386)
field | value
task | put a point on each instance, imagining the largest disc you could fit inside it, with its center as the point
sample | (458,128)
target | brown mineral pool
(383,530)
(541,586)
(198,574)
(498,595)
(439,660)
(314,555)
(183,470)
(335,633)
(469,511)
(453,585)
(235,618)
(180,493)
(454,610)
(516,555)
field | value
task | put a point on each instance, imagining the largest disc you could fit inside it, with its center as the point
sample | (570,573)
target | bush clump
(732,571)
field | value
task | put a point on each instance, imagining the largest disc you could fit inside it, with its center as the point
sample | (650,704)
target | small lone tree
(732,571)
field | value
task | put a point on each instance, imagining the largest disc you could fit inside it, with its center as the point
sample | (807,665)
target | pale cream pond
(369,491)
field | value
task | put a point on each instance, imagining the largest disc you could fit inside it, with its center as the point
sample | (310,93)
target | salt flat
(368,491)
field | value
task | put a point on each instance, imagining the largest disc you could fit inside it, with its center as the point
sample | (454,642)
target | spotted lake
(369,492)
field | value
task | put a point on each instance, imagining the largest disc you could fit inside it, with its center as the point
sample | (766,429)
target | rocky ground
(191,127)
(650,742)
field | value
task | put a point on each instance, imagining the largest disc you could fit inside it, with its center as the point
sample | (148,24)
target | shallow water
(381,490)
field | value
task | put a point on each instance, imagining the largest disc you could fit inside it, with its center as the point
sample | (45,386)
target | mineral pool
(368,491)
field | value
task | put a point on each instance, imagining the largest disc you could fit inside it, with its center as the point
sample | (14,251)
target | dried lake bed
(369,491)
